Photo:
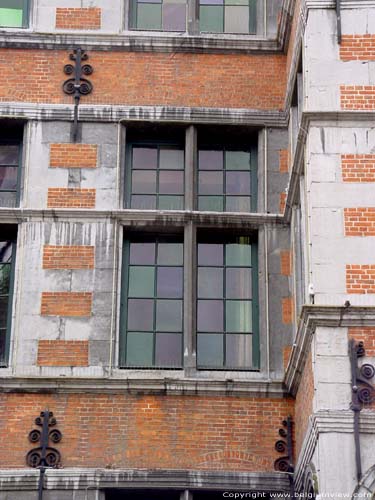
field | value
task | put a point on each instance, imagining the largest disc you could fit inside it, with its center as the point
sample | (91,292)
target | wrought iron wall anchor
(285,445)
(44,456)
(362,393)
(77,85)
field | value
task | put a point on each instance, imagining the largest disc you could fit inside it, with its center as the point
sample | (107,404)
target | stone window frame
(192,24)
(181,221)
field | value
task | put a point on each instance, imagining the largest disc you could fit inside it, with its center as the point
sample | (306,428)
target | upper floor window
(227,16)
(14,13)
(159,15)
(10,162)
(7,259)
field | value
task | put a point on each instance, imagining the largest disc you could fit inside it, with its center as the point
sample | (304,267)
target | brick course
(365,334)
(63,353)
(254,81)
(66,304)
(78,18)
(68,257)
(360,278)
(284,161)
(286,262)
(357,48)
(358,168)
(287,310)
(282,202)
(71,198)
(359,221)
(73,155)
(149,431)
(357,97)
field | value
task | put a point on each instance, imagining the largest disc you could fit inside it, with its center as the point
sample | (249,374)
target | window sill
(139,41)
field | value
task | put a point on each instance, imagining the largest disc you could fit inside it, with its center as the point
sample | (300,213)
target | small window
(227,16)
(155,179)
(14,13)
(152,305)
(225,181)
(159,15)
(7,260)
(227,310)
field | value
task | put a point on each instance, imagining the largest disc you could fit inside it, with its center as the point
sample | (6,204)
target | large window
(153,302)
(10,162)
(227,311)
(7,259)
(14,13)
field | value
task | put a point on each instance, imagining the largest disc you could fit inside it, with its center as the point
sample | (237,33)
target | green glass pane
(170,254)
(211,203)
(171,159)
(169,315)
(239,351)
(238,254)
(11,18)
(236,2)
(237,160)
(4,279)
(210,283)
(210,350)
(139,349)
(149,16)
(3,311)
(211,18)
(238,316)
(238,204)
(171,202)
(236,19)
(141,281)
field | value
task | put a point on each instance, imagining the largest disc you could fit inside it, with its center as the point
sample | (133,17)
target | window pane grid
(164,184)
(228,16)
(157,15)
(226,199)
(161,339)
(219,341)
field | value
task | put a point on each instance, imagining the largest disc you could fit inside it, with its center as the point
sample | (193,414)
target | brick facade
(282,202)
(286,262)
(364,334)
(360,278)
(78,18)
(359,221)
(358,168)
(287,310)
(73,155)
(155,432)
(141,78)
(357,48)
(284,161)
(357,97)
(304,403)
(66,304)
(71,198)
(68,257)
(63,353)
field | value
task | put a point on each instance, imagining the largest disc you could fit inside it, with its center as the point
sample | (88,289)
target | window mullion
(190,260)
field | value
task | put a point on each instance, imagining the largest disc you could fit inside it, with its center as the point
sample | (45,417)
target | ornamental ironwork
(77,85)
(363,392)
(285,446)
(44,456)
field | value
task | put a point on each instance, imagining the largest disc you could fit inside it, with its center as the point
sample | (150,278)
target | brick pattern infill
(284,161)
(68,304)
(73,155)
(360,278)
(357,48)
(71,198)
(359,221)
(68,257)
(63,353)
(78,18)
(358,168)
(357,97)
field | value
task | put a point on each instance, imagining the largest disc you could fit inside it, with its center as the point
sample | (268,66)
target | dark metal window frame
(19,143)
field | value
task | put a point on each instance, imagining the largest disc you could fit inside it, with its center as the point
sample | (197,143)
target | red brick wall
(68,257)
(304,404)
(359,221)
(283,161)
(357,97)
(139,431)
(71,198)
(286,262)
(365,334)
(73,155)
(63,353)
(140,78)
(282,202)
(78,18)
(357,48)
(287,310)
(358,168)
(66,304)
(360,278)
